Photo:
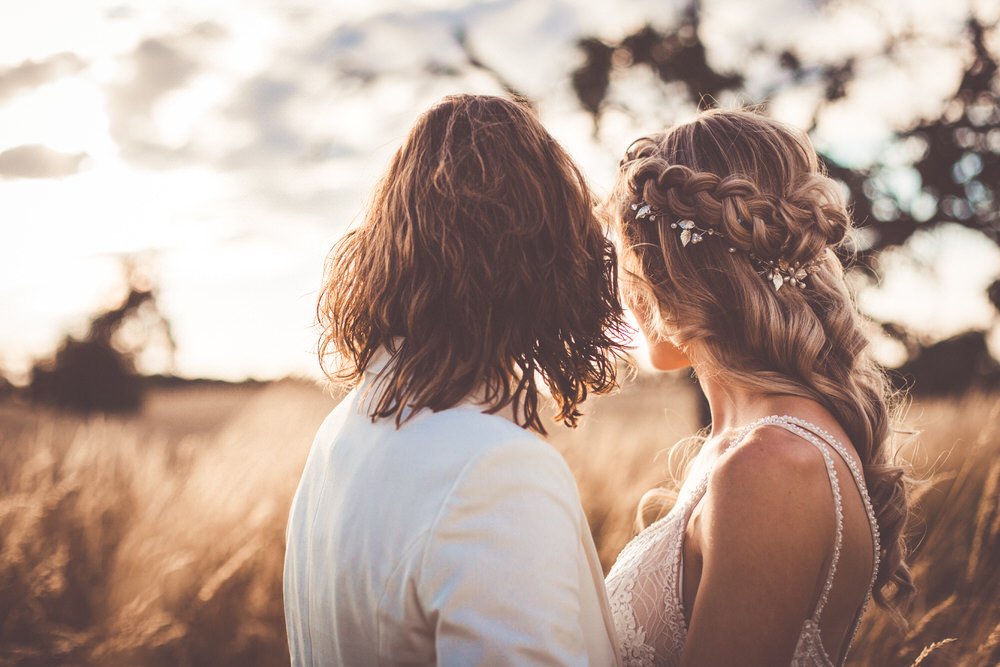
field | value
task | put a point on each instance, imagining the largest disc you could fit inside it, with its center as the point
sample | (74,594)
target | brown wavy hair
(759,183)
(481,266)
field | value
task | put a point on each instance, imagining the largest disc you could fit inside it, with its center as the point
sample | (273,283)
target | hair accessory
(778,271)
(692,233)
(642,211)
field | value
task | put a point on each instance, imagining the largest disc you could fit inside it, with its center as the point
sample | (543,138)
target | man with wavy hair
(431,525)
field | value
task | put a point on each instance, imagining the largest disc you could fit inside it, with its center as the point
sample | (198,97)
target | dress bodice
(645,585)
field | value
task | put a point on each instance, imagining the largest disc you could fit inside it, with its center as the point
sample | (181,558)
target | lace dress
(645,584)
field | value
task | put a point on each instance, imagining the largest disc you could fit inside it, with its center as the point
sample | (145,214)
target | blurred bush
(99,373)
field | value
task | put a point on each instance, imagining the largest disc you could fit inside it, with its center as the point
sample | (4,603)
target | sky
(225,146)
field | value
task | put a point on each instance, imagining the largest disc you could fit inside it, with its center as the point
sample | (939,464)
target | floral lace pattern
(632,636)
(642,588)
(645,583)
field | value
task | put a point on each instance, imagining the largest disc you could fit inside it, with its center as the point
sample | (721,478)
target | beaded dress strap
(775,420)
(817,436)
(859,481)
(831,472)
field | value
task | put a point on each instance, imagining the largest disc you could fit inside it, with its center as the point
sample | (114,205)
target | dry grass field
(158,539)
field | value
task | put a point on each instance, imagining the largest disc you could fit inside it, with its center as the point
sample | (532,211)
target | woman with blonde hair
(790,516)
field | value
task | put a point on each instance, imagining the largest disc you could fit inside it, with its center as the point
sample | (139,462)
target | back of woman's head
(734,256)
(482,268)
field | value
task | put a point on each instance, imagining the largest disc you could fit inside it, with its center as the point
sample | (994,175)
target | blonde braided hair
(758,185)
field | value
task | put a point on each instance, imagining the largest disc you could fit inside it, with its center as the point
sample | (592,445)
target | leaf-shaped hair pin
(643,211)
(689,231)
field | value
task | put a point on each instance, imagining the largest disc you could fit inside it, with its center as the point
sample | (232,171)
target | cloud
(261,105)
(38,161)
(31,74)
(157,67)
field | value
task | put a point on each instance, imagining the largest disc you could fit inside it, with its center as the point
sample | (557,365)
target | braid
(795,227)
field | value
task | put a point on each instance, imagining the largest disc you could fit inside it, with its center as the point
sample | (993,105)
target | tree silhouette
(955,155)
(98,372)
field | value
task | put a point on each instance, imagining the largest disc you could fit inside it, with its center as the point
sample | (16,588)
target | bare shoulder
(773,482)
(769,455)
(765,537)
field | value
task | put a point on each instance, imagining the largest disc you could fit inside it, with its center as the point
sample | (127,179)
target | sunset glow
(227,145)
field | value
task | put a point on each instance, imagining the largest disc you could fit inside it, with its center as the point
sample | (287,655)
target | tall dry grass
(955,538)
(131,543)
(158,540)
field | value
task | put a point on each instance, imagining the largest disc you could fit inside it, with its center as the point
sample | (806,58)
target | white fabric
(457,539)
(646,582)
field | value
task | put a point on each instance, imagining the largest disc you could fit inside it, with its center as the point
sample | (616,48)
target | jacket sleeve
(502,568)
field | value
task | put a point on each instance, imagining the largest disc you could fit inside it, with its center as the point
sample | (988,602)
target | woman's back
(654,584)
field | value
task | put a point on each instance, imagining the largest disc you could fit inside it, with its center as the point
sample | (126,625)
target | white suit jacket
(457,539)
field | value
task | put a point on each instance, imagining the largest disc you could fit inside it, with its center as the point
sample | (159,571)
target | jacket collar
(375,375)
(380,359)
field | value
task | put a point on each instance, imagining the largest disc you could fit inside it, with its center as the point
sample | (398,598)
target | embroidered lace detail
(645,583)
(642,589)
(809,650)
(634,649)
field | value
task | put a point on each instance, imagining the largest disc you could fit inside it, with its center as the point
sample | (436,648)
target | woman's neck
(734,407)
